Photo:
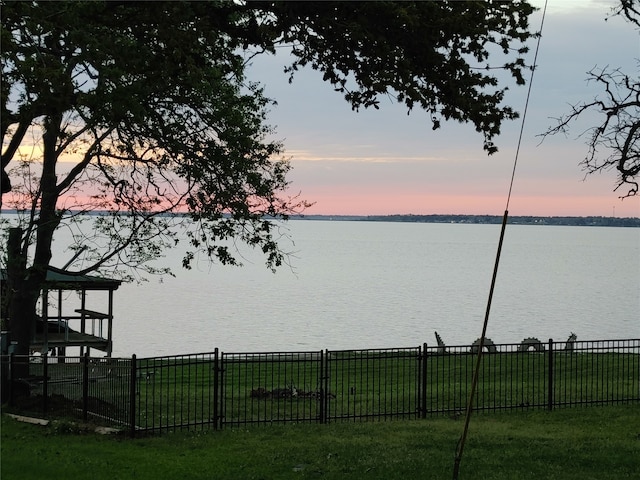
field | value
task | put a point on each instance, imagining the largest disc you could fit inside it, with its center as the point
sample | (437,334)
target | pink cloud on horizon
(347,202)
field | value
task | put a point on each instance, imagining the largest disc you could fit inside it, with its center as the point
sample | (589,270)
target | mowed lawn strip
(573,443)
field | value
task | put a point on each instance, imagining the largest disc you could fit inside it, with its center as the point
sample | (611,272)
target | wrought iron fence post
(10,380)
(85,386)
(550,379)
(324,386)
(221,390)
(45,384)
(132,396)
(216,389)
(422,388)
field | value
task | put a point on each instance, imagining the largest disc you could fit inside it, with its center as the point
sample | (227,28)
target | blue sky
(384,161)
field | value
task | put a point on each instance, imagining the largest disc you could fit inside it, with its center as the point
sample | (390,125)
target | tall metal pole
(474,382)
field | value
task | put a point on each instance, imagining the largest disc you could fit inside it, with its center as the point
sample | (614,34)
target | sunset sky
(388,162)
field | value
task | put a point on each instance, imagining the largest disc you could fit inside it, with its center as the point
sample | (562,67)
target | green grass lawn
(574,443)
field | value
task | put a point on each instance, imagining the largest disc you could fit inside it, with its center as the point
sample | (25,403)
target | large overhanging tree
(614,142)
(143,109)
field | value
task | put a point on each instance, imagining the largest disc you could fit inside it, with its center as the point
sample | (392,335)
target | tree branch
(16,140)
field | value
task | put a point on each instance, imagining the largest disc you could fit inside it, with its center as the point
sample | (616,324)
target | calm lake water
(377,284)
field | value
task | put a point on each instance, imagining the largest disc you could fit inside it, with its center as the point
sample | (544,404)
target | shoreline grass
(575,443)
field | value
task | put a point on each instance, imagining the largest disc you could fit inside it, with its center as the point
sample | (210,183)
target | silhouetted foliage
(143,111)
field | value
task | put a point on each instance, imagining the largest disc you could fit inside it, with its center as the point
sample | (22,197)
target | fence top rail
(377,350)
(634,341)
(179,356)
(625,345)
(275,352)
(623,342)
(556,341)
(272,356)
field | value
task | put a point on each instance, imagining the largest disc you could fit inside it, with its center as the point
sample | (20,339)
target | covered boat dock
(71,322)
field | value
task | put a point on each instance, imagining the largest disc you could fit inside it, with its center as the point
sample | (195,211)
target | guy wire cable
(474,382)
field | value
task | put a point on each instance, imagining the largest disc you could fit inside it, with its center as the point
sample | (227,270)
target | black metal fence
(215,390)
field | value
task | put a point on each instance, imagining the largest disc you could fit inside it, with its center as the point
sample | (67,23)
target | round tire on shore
(531,343)
(488,345)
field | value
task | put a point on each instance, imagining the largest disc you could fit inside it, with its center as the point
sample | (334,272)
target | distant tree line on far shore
(514,220)
(440,218)
(488,219)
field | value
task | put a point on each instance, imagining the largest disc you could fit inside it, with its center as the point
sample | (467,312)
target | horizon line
(361,215)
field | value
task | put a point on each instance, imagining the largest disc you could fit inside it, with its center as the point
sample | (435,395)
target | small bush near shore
(578,443)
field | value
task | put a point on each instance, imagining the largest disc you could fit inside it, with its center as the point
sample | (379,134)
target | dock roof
(64,280)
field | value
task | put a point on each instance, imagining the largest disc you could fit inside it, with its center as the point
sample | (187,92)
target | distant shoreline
(588,221)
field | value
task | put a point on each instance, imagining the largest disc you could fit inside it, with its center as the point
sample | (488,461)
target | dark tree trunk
(19,319)
(21,310)
(25,284)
